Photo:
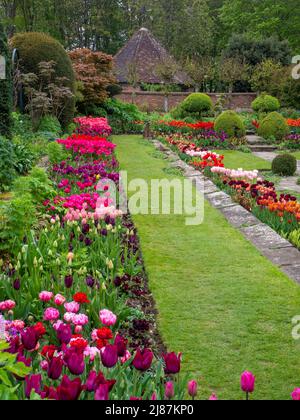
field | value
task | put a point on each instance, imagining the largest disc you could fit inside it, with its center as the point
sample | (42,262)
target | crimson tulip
(69,390)
(55,368)
(143,359)
(172,363)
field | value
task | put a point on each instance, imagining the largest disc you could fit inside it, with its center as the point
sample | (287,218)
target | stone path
(289,183)
(278,250)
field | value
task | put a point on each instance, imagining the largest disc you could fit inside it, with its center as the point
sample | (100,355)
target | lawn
(235,159)
(220,302)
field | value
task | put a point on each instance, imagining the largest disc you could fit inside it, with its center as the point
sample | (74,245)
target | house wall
(154,101)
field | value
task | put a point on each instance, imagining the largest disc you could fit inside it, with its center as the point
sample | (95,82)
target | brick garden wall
(154,101)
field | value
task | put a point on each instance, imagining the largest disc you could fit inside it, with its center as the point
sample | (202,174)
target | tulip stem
(247,396)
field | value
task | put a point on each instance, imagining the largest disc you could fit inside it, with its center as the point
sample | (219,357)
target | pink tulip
(51,314)
(46,296)
(59,300)
(193,389)
(296,394)
(169,390)
(213,397)
(248,383)
(107,318)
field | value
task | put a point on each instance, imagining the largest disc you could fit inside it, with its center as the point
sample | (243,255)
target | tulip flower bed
(205,139)
(77,320)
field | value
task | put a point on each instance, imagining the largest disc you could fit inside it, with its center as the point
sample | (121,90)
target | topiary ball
(197,103)
(284,165)
(265,103)
(35,47)
(275,126)
(230,123)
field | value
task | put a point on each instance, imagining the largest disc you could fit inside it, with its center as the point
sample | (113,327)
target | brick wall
(154,101)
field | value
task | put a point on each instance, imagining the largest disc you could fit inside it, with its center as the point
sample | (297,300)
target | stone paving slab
(239,217)
(293,271)
(283,257)
(265,238)
(289,184)
(220,200)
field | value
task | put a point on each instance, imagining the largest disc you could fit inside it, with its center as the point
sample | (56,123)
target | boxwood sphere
(284,165)
(275,126)
(230,123)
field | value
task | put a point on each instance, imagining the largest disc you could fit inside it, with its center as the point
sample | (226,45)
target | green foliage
(56,153)
(5,89)
(7,163)
(23,159)
(284,165)
(197,104)
(50,124)
(266,103)
(37,184)
(35,48)
(275,126)
(230,123)
(8,368)
(16,219)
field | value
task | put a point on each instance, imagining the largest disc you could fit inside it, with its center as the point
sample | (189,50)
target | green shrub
(275,126)
(230,123)
(7,164)
(197,104)
(35,48)
(5,89)
(266,103)
(50,124)
(56,153)
(23,159)
(37,184)
(284,165)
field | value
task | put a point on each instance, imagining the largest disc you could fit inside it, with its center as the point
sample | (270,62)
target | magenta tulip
(64,334)
(213,397)
(109,356)
(169,390)
(296,394)
(55,368)
(75,361)
(33,383)
(143,359)
(248,383)
(29,338)
(193,389)
(102,393)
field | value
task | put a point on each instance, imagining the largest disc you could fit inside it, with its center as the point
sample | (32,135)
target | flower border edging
(277,249)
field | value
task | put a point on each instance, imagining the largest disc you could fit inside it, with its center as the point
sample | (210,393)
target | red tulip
(172,363)
(143,359)
(69,390)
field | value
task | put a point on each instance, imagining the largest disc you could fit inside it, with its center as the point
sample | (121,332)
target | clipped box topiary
(197,104)
(274,126)
(35,47)
(284,165)
(230,123)
(266,103)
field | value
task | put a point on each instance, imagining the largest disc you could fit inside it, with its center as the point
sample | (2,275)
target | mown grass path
(220,302)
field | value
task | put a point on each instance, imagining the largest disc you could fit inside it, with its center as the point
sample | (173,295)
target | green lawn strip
(220,302)
(235,159)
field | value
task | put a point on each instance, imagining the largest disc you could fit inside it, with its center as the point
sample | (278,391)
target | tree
(201,71)
(94,72)
(5,88)
(166,71)
(233,70)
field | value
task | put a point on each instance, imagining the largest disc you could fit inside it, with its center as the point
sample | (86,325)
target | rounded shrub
(197,103)
(265,103)
(284,165)
(274,126)
(230,123)
(50,124)
(34,48)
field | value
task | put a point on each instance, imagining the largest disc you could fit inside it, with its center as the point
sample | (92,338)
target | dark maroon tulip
(90,282)
(17,285)
(64,334)
(69,390)
(69,282)
(75,362)
(33,383)
(29,338)
(90,382)
(55,368)
(85,229)
(172,363)
(121,344)
(143,359)
(109,356)
(102,393)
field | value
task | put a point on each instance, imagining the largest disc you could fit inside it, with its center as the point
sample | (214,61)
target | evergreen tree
(5,88)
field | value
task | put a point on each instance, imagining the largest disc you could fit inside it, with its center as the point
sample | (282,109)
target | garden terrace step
(255,140)
(262,148)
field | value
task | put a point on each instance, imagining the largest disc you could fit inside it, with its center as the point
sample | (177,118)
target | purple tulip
(17,284)
(33,383)
(143,359)
(69,282)
(172,363)
(90,282)
(55,368)
(109,356)
(29,338)
(75,362)
(64,334)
